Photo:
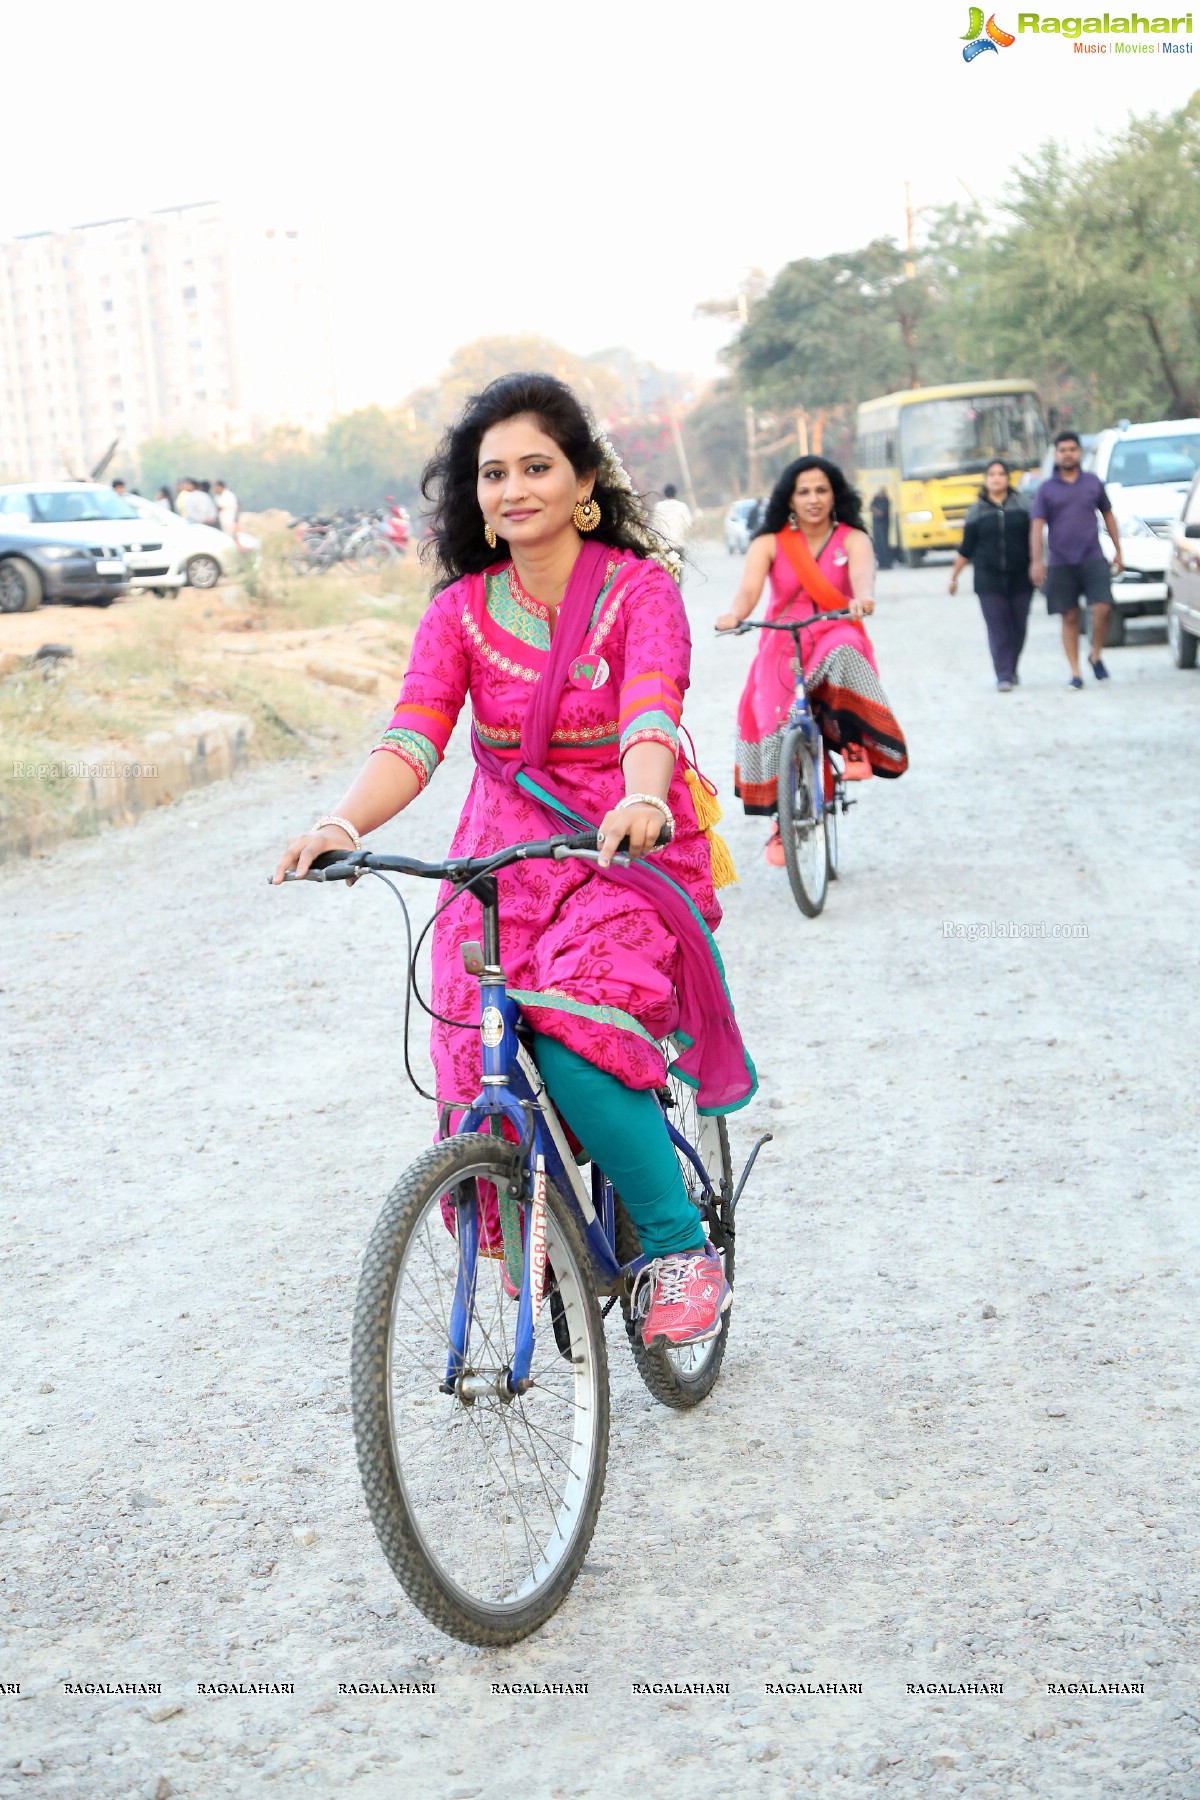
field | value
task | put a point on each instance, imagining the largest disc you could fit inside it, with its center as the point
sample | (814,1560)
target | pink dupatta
(713,1058)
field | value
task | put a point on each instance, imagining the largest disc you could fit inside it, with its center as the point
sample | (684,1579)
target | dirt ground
(955,1437)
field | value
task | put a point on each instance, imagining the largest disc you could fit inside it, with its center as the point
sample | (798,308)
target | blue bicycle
(479,1371)
(812,788)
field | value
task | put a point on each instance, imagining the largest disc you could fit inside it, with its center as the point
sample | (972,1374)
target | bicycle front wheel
(804,844)
(484,1506)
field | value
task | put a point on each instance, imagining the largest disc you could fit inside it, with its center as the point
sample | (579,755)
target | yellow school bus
(928,448)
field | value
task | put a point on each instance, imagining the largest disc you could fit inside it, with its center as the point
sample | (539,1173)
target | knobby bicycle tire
(797,818)
(402,1531)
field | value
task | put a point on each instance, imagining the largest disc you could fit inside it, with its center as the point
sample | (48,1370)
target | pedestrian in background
(164,497)
(183,488)
(119,487)
(202,509)
(881,521)
(672,518)
(996,539)
(227,507)
(1067,503)
(200,503)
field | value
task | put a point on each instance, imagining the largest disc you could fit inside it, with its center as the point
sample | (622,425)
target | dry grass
(148,663)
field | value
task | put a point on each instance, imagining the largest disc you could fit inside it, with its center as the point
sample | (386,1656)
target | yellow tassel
(724,874)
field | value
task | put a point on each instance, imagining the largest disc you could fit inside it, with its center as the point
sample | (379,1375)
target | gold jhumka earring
(586,514)
(490,535)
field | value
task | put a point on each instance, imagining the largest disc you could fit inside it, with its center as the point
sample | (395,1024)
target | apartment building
(197,319)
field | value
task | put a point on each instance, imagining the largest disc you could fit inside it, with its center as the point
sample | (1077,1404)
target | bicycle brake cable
(411,985)
(408,1070)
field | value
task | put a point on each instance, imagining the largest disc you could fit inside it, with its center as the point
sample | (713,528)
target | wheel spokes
(493,1487)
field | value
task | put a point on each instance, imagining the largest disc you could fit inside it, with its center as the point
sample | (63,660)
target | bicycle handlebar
(783,624)
(337,865)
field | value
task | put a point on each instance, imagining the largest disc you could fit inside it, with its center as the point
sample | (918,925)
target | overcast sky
(588,173)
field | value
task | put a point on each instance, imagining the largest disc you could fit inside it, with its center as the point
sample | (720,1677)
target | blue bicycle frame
(800,714)
(513,1090)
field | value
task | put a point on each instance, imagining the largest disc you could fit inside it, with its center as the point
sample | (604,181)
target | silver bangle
(342,825)
(654,800)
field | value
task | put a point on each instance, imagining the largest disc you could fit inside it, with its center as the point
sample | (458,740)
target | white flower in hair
(613,474)
(611,467)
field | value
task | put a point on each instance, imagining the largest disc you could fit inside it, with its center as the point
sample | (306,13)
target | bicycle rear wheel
(804,846)
(681,1375)
(485,1507)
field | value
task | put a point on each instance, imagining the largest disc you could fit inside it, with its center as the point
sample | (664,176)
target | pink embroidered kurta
(591,964)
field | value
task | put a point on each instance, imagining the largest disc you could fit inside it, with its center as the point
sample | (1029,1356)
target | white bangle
(342,825)
(654,800)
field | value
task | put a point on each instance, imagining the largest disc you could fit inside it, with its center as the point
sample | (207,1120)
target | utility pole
(910,266)
(681,453)
(751,452)
(802,431)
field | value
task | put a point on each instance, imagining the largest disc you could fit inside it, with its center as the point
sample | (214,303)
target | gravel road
(955,1437)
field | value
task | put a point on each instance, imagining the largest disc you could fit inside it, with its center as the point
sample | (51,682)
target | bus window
(962,435)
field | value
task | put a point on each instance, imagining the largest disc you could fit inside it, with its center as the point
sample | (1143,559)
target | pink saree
(609,964)
(840,673)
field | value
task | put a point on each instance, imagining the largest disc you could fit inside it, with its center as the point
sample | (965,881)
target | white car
(194,544)
(1148,470)
(737,526)
(161,551)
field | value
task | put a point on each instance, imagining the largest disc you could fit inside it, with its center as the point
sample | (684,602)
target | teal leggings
(623,1129)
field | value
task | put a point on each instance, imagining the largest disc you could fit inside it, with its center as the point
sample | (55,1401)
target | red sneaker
(690,1294)
(774,850)
(857,767)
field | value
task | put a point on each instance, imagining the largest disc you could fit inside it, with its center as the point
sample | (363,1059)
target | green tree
(833,330)
(1099,270)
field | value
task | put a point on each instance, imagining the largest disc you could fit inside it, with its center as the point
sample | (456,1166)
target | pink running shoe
(690,1294)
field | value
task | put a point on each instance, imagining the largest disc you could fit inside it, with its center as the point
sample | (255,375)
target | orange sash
(816,584)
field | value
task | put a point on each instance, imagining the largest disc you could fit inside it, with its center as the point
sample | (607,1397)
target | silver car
(1183,582)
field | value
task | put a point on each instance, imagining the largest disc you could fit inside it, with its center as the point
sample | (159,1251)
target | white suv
(1147,470)
(160,551)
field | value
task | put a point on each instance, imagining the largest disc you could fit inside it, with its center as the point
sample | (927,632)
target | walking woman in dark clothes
(996,540)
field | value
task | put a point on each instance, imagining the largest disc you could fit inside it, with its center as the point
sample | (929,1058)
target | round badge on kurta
(491,1026)
(589,672)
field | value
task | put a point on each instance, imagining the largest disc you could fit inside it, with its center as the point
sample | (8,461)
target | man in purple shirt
(1068,502)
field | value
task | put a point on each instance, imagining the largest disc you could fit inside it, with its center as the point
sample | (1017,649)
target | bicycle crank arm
(750,1162)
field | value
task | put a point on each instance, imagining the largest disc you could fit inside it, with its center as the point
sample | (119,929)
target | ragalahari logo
(975,42)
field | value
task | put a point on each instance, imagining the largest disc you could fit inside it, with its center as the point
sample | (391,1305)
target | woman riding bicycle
(813,548)
(575,652)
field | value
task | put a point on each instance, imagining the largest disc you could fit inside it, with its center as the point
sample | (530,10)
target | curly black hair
(847,501)
(456,543)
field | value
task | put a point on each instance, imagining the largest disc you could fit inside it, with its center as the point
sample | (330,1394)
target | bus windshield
(961,436)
